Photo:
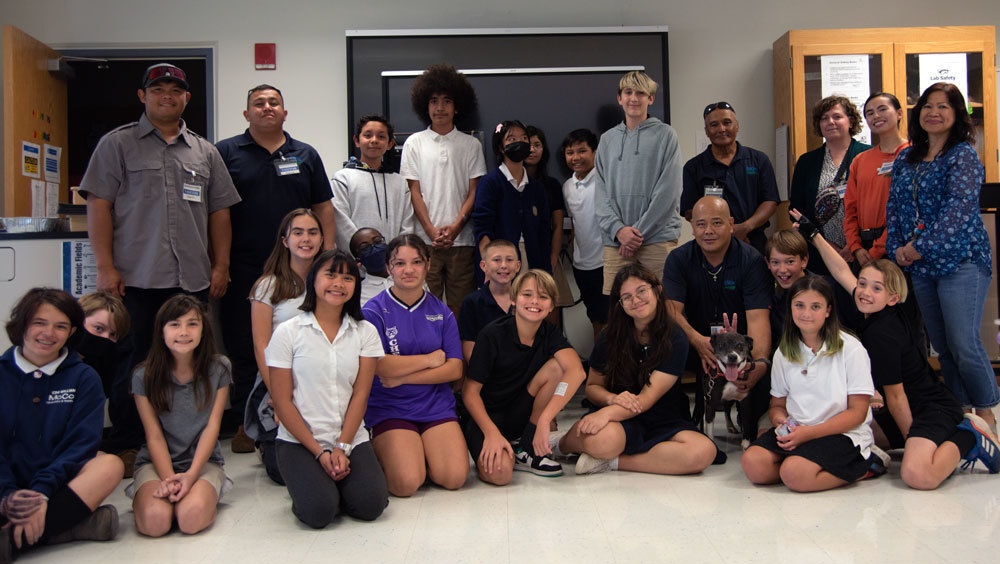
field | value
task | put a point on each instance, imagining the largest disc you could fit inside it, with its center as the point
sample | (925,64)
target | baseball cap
(164,71)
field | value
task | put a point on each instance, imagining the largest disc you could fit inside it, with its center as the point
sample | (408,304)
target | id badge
(885,169)
(191,192)
(713,190)
(286,166)
(715,329)
(841,190)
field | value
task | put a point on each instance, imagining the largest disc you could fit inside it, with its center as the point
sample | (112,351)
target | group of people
(364,362)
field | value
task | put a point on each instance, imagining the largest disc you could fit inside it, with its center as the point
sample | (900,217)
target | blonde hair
(97,301)
(542,279)
(638,81)
(893,279)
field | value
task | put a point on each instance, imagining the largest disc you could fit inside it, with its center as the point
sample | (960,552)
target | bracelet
(321,453)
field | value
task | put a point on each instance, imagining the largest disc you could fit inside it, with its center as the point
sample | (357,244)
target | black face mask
(101,354)
(373,258)
(517,151)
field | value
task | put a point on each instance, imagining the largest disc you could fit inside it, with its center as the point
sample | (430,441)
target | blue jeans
(953,309)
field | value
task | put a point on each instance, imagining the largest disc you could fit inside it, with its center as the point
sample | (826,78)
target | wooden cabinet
(893,57)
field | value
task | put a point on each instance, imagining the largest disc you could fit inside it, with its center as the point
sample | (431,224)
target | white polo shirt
(323,373)
(444,165)
(588,248)
(821,393)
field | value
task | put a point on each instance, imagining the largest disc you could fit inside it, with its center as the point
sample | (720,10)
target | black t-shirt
(674,404)
(477,311)
(896,359)
(504,366)
(743,284)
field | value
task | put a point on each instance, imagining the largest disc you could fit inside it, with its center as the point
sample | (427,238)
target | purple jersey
(426,327)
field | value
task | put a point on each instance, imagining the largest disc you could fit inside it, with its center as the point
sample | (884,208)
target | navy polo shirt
(478,310)
(744,283)
(268,197)
(746,182)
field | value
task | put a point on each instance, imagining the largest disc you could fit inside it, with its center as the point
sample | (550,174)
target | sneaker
(538,465)
(102,525)
(986,450)
(878,463)
(241,442)
(587,464)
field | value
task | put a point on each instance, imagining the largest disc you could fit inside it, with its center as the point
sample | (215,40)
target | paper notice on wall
(945,67)
(37,198)
(31,159)
(79,268)
(51,199)
(52,156)
(848,76)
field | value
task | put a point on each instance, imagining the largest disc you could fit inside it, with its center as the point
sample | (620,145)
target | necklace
(714,275)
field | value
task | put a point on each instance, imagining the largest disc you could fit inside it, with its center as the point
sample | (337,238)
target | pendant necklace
(714,275)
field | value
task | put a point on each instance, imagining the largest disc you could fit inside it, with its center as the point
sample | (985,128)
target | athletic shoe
(538,465)
(986,450)
(878,463)
(102,525)
(587,464)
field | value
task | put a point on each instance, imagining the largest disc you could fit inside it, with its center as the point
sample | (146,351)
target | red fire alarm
(264,56)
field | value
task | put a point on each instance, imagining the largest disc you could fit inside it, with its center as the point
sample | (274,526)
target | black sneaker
(538,465)
(102,525)
(878,463)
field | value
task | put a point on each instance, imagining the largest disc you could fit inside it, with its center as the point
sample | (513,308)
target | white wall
(719,49)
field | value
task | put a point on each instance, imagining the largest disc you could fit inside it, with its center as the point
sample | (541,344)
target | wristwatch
(346,447)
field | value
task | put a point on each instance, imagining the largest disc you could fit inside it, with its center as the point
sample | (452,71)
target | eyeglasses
(642,293)
(369,244)
(718,106)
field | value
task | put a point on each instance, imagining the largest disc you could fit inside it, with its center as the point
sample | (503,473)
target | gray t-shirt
(183,424)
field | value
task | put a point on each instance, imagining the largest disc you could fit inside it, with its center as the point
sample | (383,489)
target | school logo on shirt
(436,317)
(61,396)
(390,334)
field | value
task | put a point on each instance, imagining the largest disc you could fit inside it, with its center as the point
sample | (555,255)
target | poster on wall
(31,159)
(945,67)
(848,76)
(52,155)
(79,268)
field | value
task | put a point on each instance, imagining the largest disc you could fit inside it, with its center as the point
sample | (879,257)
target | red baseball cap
(164,71)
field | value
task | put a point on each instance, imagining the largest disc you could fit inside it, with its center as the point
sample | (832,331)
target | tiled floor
(716,517)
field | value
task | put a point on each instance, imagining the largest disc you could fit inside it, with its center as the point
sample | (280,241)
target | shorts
(653,256)
(933,423)
(640,437)
(836,454)
(511,420)
(212,473)
(418,427)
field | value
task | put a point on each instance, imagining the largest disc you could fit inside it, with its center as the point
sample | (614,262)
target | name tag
(284,167)
(841,190)
(191,192)
(885,169)
(713,189)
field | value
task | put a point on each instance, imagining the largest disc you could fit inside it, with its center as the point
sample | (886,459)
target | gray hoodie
(639,179)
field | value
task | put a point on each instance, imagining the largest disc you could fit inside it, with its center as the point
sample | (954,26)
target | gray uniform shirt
(162,195)
(183,424)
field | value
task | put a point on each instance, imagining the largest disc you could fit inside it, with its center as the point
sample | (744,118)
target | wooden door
(34,113)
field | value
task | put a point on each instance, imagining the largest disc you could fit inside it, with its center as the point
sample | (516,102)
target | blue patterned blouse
(946,192)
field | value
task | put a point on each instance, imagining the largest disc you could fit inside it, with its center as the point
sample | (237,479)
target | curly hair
(961,131)
(442,79)
(827,104)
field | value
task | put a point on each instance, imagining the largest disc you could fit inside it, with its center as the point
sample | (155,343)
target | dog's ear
(750,342)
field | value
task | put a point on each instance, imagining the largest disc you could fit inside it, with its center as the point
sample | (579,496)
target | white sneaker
(587,464)
(538,465)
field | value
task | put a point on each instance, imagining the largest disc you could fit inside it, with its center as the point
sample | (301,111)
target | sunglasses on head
(717,106)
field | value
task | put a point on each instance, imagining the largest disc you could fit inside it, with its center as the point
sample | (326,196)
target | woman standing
(868,181)
(822,173)
(936,234)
